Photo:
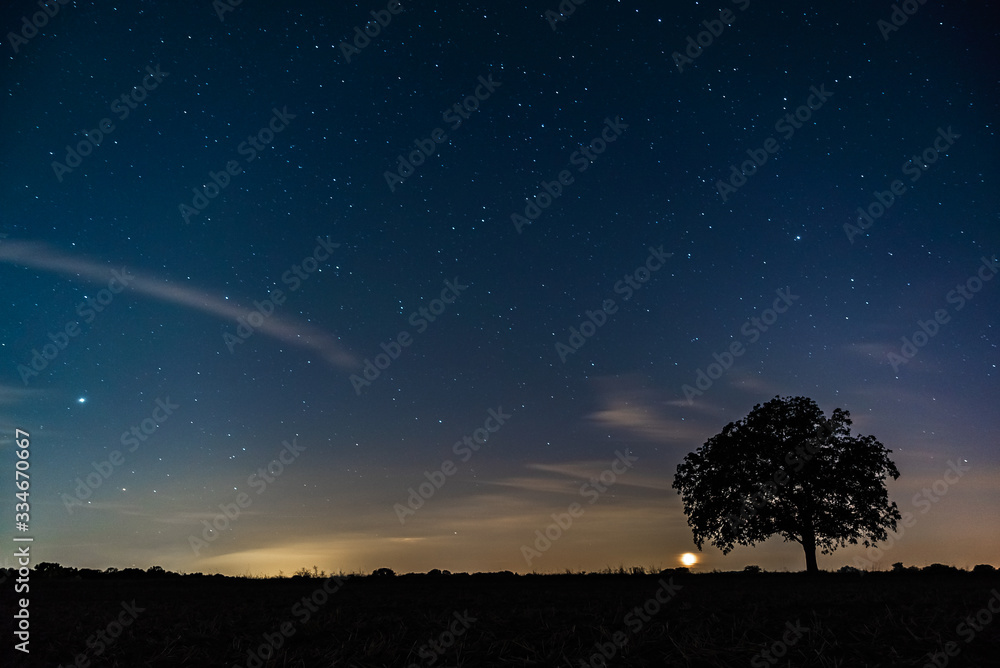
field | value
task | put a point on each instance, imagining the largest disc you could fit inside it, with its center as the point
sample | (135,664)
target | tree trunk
(809,545)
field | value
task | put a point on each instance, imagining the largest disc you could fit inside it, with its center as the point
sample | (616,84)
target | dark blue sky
(305,208)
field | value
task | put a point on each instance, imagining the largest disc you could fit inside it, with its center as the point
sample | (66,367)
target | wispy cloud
(645,422)
(11,394)
(752,383)
(579,471)
(282,328)
(641,411)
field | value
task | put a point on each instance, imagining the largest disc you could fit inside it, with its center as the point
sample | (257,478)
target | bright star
(82,400)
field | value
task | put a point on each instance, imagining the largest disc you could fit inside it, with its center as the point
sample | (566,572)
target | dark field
(874,619)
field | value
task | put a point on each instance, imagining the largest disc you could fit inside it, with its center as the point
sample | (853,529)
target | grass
(712,619)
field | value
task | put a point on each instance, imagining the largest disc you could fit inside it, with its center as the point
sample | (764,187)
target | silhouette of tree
(786,469)
(52,570)
(47,568)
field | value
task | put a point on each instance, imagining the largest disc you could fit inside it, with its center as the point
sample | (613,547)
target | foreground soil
(715,619)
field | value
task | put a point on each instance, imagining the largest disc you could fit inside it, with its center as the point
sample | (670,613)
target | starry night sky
(158,371)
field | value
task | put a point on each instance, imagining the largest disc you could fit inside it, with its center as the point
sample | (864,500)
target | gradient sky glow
(469,310)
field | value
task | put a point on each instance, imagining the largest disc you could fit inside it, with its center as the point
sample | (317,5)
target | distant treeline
(52,570)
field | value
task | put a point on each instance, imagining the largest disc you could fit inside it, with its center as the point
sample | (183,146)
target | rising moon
(689,559)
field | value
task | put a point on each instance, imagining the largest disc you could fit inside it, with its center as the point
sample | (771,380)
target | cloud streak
(299,334)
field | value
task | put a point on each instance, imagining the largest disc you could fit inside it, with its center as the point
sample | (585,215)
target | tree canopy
(788,470)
